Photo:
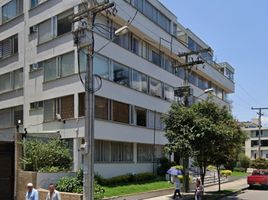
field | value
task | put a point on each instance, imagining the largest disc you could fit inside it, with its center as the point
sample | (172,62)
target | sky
(237,31)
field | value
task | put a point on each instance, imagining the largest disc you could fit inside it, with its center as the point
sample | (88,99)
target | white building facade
(41,88)
(252,143)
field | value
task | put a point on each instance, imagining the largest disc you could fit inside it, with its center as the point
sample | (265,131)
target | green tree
(45,155)
(200,131)
(244,161)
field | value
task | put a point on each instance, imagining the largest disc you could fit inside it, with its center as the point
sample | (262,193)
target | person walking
(199,190)
(32,193)
(177,185)
(53,194)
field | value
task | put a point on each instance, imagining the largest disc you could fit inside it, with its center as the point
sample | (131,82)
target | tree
(244,161)
(199,132)
(259,163)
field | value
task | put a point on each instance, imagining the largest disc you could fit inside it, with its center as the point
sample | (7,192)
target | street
(249,195)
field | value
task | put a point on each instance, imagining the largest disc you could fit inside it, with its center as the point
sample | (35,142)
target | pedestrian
(199,190)
(177,184)
(32,193)
(52,194)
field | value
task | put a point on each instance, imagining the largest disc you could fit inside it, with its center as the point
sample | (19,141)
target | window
(63,106)
(64,22)
(202,83)
(155,87)
(168,93)
(121,40)
(101,66)
(11,81)
(9,47)
(180,72)
(101,108)
(121,152)
(37,105)
(18,114)
(144,152)
(6,118)
(154,116)
(81,100)
(135,45)
(139,81)
(55,26)
(45,31)
(167,64)
(34,3)
(49,110)
(18,79)
(192,78)
(120,74)
(11,10)
(141,116)
(67,107)
(102,151)
(139,4)
(156,58)
(120,112)
(59,66)
(50,69)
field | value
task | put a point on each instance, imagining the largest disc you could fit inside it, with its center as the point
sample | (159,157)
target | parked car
(259,178)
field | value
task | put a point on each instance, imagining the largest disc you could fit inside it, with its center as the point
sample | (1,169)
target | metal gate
(6,170)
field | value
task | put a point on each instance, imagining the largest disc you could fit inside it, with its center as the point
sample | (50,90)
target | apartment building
(252,143)
(41,92)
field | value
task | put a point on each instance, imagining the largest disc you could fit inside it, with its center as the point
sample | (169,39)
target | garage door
(6,171)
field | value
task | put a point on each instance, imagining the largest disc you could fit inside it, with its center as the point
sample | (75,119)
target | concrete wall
(22,180)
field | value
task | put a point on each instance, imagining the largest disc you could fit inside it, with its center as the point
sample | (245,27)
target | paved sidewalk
(236,185)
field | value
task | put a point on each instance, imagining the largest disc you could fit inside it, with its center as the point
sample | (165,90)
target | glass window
(155,87)
(102,151)
(101,66)
(18,115)
(67,64)
(144,152)
(121,152)
(6,118)
(192,78)
(50,69)
(156,58)
(34,3)
(180,72)
(49,110)
(18,78)
(9,11)
(64,22)
(168,93)
(83,60)
(5,82)
(120,74)
(81,99)
(202,83)
(121,40)
(120,112)
(141,116)
(139,81)
(67,107)
(101,108)
(135,46)
(139,4)
(148,9)
(45,31)
(154,116)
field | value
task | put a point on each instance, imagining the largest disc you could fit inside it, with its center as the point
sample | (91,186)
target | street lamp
(206,91)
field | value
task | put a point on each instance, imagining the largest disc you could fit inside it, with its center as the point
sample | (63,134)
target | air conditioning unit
(36,66)
(33,29)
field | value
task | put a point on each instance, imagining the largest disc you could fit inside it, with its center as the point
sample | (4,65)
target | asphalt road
(250,194)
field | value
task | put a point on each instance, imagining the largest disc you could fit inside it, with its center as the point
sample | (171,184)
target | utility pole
(84,37)
(186,91)
(259,126)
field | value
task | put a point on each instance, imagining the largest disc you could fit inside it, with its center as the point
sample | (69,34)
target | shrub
(239,169)
(144,177)
(259,163)
(211,168)
(75,185)
(180,167)
(226,172)
(52,155)
(244,161)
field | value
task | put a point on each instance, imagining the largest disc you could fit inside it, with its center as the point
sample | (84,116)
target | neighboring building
(252,143)
(40,85)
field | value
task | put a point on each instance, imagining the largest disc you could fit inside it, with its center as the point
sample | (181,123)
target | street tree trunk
(219,177)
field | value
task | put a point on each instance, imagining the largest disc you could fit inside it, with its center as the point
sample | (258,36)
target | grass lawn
(239,173)
(135,188)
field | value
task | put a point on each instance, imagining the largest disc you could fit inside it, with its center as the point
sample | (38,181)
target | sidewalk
(236,185)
